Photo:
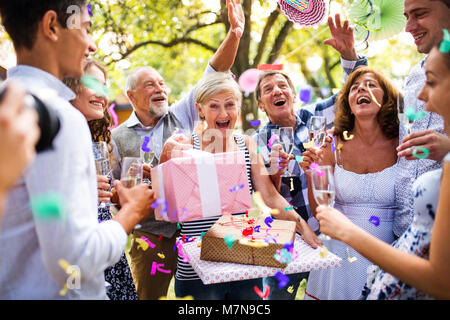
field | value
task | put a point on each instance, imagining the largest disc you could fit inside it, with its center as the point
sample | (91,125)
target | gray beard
(158,111)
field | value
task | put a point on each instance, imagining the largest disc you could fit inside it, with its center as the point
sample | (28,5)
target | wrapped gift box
(254,245)
(201,184)
(308,259)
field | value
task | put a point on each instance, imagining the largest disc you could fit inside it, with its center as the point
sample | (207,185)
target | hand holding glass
(132,171)
(287,142)
(318,130)
(102,162)
(322,179)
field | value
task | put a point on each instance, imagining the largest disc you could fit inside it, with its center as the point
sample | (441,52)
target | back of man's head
(21,17)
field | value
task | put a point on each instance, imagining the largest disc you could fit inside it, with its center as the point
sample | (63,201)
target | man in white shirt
(36,251)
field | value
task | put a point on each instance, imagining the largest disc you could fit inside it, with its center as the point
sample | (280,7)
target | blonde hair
(215,83)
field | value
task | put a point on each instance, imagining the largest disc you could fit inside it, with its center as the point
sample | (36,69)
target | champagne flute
(322,179)
(102,163)
(287,142)
(132,171)
(317,130)
(147,154)
(405,121)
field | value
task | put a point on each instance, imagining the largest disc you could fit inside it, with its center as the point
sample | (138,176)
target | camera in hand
(49,123)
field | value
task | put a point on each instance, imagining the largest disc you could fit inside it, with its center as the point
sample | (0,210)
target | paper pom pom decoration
(306,13)
(376,19)
(248,80)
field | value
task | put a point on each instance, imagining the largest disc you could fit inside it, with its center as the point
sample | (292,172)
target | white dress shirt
(30,247)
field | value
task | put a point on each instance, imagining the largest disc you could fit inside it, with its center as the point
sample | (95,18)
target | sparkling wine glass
(405,121)
(132,171)
(287,142)
(322,179)
(147,154)
(318,130)
(102,163)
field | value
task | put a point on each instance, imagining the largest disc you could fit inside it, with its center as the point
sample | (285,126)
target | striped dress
(196,227)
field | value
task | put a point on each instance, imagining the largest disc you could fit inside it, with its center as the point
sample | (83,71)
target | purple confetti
(256,229)
(272,139)
(255,123)
(289,246)
(333,144)
(283,279)
(89,7)
(268,221)
(375,220)
(237,188)
(144,146)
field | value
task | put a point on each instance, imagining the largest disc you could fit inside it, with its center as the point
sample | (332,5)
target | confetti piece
(247,232)
(301,290)
(267,66)
(289,246)
(181,253)
(261,294)
(412,115)
(237,188)
(315,167)
(158,267)
(425,152)
(253,243)
(288,208)
(150,244)
(347,137)
(141,244)
(272,139)
(308,145)
(178,226)
(114,115)
(95,85)
(63,291)
(292,185)
(299,158)
(161,255)
(373,97)
(283,256)
(48,206)
(256,229)
(324,252)
(183,298)
(375,220)
(353,259)
(229,239)
(340,145)
(268,221)
(258,202)
(160,237)
(202,234)
(333,144)
(255,123)
(144,146)
(290,289)
(283,279)
(89,8)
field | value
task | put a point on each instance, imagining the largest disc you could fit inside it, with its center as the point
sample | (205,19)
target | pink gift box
(201,184)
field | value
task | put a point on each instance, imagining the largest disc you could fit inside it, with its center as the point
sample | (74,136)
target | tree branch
(279,41)
(262,44)
(169,44)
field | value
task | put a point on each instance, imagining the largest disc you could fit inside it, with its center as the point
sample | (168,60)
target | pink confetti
(158,267)
(272,139)
(151,244)
(114,115)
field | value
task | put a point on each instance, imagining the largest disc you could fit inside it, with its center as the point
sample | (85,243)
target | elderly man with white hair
(153,117)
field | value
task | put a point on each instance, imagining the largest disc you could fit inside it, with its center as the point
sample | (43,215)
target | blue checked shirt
(295,189)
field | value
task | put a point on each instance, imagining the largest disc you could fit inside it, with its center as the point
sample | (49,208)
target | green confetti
(48,206)
(178,226)
(92,83)
(301,290)
(229,240)
(424,153)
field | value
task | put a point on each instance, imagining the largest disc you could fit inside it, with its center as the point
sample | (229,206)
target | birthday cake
(255,241)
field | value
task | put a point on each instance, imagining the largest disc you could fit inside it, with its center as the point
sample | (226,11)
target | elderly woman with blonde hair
(218,100)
